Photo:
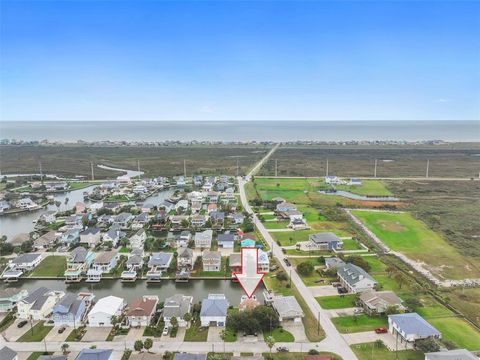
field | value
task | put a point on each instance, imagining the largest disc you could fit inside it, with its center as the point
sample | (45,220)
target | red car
(381,330)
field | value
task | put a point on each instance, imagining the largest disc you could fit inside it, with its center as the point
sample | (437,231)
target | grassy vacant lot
(296,356)
(37,333)
(358,160)
(54,266)
(467,301)
(337,302)
(359,323)
(313,279)
(458,331)
(402,232)
(280,335)
(369,351)
(368,188)
(155,161)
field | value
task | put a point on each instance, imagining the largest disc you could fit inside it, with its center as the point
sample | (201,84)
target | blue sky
(240,60)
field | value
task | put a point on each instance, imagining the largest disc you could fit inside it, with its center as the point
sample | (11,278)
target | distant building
(325,241)
(355,279)
(411,327)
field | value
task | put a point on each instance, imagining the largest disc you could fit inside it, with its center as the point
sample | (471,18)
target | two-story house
(78,263)
(38,305)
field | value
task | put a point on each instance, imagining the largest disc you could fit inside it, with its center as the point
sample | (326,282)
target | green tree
(400,279)
(147,344)
(427,345)
(187,317)
(174,321)
(138,346)
(270,341)
(305,268)
(65,349)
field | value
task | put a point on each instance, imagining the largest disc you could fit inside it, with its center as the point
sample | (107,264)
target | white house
(214,310)
(38,304)
(177,306)
(203,239)
(103,311)
(263,261)
(287,308)
(355,279)
(25,262)
(137,240)
(411,327)
(90,236)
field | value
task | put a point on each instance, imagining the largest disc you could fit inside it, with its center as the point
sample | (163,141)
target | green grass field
(458,331)
(350,244)
(402,232)
(368,188)
(53,266)
(372,351)
(37,354)
(359,323)
(337,302)
(37,333)
(314,278)
(280,335)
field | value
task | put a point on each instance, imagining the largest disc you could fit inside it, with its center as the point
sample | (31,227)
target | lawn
(373,351)
(377,266)
(296,356)
(225,271)
(359,323)
(337,302)
(467,300)
(51,266)
(351,244)
(458,331)
(76,334)
(280,335)
(289,238)
(37,354)
(368,188)
(37,333)
(402,232)
(196,333)
(8,320)
(230,335)
(276,224)
(314,278)
(75,185)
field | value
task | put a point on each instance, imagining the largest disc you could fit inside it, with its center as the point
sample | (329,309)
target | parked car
(61,329)
(22,323)
(165,331)
(336,284)
(381,330)
(282,349)
(287,262)
(342,290)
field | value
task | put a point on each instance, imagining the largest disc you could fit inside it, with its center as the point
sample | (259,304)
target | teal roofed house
(78,263)
(247,243)
(9,297)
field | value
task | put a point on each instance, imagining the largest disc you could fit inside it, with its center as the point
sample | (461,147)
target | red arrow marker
(249,278)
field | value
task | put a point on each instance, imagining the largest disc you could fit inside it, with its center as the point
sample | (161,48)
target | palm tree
(270,341)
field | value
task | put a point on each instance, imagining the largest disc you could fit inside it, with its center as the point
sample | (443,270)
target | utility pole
(375,171)
(276,167)
(326,171)
(91,166)
(138,166)
(185,168)
(428,165)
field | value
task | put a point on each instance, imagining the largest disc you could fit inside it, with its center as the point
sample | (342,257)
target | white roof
(108,305)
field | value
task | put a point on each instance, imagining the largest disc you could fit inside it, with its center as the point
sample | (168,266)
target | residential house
(325,241)
(80,208)
(74,221)
(137,240)
(237,218)
(226,241)
(105,220)
(212,261)
(95,354)
(167,206)
(157,264)
(214,310)
(185,259)
(147,208)
(112,206)
(90,236)
(9,297)
(333,262)
(198,220)
(38,305)
(4,206)
(217,218)
(103,311)
(177,220)
(247,303)
(140,221)
(104,263)
(181,206)
(135,260)
(25,262)
(212,207)
(78,263)
(48,217)
(70,310)
(263,261)
(8,354)
(52,357)
(142,310)
(287,308)
(355,279)
(114,235)
(27,204)
(203,239)
(333,180)
(94,207)
(212,197)
(183,239)
(457,354)
(19,239)
(411,327)
(235,263)
(123,220)
(177,306)
(71,236)
(284,207)
(377,302)
(354,182)
(46,241)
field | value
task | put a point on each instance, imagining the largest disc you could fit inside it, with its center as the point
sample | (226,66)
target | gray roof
(7,354)
(324,237)
(134,259)
(37,298)
(185,252)
(212,255)
(52,357)
(412,323)
(177,305)
(70,302)
(79,254)
(9,292)
(226,237)
(352,273)
(185,356)
(160,259)
(90,231)
(214,307)
(287,306)
(105,257)
(94,354)
(25,258)
(457,354)
(334,262)
(217,215)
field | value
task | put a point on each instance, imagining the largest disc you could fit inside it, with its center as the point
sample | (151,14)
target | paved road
(333,342)
(380,178)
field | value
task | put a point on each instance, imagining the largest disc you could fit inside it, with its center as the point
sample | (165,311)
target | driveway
(53,335)
(327,290)
(180,336)
(370,336)
(145,356)
(135,333)
(96,334)
(297,330)
(13,332)
(214,334)
(346,312)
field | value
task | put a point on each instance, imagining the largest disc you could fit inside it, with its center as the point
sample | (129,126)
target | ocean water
(241,130)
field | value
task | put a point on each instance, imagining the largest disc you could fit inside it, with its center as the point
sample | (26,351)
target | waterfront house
(226,240)
(135,260)
(8,354)
(355,279)
(140,221)
(78,262)
(181,206)
(38,304)
(48,217)
(214,310)
(113,235)
(247,303)
(71,236)
(411,327)
(185,259)
(284,207)
(25,262)
(123,220)
(112,206)
(287,308)
(137,240)
(94,207)
(9,297)
(19,239)
(217,218)
(147,208)
(27,204)
(90,236)
(211,207)
(183,239)
(4,206)
(377,302)
(157,264)
(177,306)
(457,354)
(46,241)
(325,241)
(263,261)
(142,310)
(235,263)
(95,354)
(167,206)
(70,310)
(104,262)
(80,208)
(212,261)
(198,220)
(103,311)
(74,221)
(203,239)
